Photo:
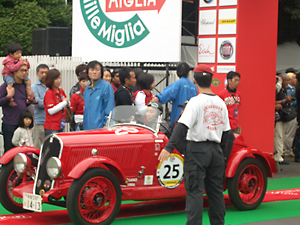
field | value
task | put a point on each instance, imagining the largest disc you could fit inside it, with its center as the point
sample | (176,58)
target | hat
(184,104)
(290,70)
(156,105)
(203,68)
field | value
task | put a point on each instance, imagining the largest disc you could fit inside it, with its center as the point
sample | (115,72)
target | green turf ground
(266,211)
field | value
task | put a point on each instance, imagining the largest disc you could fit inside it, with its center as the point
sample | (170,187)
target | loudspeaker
(39,42)
(53,41)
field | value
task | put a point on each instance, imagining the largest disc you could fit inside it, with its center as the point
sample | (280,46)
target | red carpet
(134,209)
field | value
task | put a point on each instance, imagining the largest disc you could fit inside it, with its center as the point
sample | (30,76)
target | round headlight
(53,167)
(20,163)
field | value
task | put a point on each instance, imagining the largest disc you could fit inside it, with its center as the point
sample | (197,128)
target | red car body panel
(9,155)
(127,151)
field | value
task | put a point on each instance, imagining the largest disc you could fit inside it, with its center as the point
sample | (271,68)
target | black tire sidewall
(233,185)
(4,198)
(74,191)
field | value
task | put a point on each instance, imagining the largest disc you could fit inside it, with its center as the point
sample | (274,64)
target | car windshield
(125,114)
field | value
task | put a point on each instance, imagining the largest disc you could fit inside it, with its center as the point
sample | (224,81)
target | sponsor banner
(227,21)
(225,69)
(207,3)
(226,50)
(206,50)
(227,2)
(127,30)
(207,22)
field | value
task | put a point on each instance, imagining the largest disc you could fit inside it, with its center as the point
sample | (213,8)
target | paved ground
(286,221)
(291,170)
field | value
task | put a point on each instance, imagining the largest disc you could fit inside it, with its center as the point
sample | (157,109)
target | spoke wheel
(95,198)
(9,179)
(248,186)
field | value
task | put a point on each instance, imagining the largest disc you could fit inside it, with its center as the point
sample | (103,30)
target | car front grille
(51,148)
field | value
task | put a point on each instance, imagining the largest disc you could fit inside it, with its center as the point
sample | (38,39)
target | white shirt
(22,136)
(140,102)
(206,116)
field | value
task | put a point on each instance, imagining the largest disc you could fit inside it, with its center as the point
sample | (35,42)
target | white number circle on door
(170,172)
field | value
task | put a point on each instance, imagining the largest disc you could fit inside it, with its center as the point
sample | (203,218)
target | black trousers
(204,169)
(8,133)
(297,145)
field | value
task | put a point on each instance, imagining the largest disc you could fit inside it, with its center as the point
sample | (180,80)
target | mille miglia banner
(127,30)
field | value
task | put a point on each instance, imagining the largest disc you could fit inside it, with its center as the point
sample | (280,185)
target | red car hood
(124,133)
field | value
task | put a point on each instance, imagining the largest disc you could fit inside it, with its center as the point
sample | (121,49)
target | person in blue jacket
(98,97)
(178,92)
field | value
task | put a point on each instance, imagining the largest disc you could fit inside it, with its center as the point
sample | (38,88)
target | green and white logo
(109,32)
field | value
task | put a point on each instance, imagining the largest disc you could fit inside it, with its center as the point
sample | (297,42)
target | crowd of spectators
(287,116)
(98,90)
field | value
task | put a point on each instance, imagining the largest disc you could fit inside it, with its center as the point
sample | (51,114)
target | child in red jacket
(77,101)
(12,63)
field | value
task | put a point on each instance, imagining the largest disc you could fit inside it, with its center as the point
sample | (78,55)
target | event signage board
(227,21)
(217,41)
(207,22)
(127,30)
(208,3)
(226,50)
(246,42)
(206,50)
(225,69)
(227,2)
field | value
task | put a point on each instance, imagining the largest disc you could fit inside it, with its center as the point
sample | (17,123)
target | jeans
(8,132)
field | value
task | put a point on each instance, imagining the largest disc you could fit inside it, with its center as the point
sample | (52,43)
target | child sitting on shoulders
(12,63)
(23,134)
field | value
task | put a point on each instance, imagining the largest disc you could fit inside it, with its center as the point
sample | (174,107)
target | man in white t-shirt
(204,123)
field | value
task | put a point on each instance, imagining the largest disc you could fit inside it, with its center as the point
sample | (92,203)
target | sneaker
(12,103)
(31,101)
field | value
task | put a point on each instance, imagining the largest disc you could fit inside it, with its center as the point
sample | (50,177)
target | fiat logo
(226,50)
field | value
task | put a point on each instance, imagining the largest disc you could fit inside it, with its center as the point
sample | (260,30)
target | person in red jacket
(77,101)
(55,102)
(115,79)
(232,98)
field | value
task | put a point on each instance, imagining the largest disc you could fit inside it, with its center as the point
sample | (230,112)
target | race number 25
(170,172)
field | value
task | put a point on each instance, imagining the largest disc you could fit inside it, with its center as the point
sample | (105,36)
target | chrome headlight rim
(53,167)
(20,163)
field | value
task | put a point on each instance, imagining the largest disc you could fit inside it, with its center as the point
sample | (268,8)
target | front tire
(248,186)
(94,198)
(9,179)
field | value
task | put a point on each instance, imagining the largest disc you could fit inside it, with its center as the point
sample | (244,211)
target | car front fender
(235,160)
(97,162)
(9,155)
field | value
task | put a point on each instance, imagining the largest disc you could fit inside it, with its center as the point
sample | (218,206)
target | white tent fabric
(288,55)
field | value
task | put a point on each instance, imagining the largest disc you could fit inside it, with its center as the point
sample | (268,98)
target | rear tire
(248,187)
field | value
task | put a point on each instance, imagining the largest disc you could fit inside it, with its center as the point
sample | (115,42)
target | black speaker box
(39,42)
(53,41)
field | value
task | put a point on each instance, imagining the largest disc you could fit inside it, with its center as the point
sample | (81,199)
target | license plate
(32,202)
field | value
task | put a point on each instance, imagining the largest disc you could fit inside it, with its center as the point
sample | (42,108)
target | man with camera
(290,126)
(287,114)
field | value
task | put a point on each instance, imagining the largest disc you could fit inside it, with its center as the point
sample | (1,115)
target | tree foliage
(289,21)
(19,17)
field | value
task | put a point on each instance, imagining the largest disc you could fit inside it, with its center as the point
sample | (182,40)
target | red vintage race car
(91,172)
